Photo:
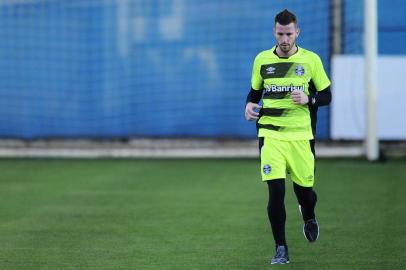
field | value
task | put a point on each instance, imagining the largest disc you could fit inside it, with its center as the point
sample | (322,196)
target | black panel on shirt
(277,70)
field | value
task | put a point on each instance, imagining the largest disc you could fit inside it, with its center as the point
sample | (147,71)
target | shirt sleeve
(319,76)
(256,78)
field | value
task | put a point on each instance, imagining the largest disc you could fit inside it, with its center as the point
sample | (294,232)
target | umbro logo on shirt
(270,70)
(275,70)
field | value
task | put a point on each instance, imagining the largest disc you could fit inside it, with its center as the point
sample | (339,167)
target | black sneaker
(281,256)
(310,228)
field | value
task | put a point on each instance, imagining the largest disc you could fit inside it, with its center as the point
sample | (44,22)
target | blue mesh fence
(157,68)
(391,27)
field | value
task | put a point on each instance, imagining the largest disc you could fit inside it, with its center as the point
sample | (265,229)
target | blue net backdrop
(391,27)
(142,68)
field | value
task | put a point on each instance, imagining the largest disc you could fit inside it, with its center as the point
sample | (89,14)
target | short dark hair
(285,17)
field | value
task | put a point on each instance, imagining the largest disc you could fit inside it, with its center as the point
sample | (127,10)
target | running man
(292,84)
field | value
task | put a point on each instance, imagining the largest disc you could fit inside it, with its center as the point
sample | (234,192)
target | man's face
(286,36)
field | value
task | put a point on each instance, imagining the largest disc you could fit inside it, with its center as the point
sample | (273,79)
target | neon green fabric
(282,119)
(280,156)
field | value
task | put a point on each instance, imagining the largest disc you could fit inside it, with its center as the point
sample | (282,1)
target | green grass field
(193,214)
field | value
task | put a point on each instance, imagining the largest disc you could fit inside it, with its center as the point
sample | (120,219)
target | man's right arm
(253,98)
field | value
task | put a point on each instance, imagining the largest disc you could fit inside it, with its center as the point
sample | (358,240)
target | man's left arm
(322,95)
(320,98)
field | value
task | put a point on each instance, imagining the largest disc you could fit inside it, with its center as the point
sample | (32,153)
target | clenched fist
(299,97)
(250,113)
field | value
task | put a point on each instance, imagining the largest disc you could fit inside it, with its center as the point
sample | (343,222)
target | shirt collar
(298,51)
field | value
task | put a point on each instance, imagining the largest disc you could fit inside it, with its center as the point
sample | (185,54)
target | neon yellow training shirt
(280,118)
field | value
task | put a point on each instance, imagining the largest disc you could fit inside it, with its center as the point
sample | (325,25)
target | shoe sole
(280,263)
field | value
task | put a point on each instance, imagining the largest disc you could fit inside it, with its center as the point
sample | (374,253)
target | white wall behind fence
(348,109)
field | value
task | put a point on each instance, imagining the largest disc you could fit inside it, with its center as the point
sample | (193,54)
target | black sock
(276,209)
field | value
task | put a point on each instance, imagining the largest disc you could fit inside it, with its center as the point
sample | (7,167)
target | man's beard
(286,48)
